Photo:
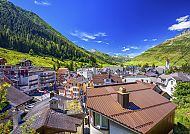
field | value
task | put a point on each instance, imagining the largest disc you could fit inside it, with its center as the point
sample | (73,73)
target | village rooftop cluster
(91,100)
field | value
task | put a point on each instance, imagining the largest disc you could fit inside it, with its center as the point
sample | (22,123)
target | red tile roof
(99,78)
(153,107)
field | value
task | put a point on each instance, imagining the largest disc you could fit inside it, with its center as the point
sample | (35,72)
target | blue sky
(116,27)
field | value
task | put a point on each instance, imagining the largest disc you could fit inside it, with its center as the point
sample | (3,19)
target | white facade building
(167,85)
(168,82)
(88,72)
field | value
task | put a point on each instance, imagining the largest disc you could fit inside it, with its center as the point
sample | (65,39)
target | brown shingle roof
(153,107)
(99,78)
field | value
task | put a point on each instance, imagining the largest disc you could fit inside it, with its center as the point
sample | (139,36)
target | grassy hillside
(177,50)
(13,58)
(24,31)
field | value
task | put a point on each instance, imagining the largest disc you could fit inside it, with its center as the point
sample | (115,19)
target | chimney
(109,74)
(123,97)
(54,103)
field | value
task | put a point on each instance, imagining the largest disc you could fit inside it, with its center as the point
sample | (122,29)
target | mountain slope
(23,31)
(109,59)
(177,50)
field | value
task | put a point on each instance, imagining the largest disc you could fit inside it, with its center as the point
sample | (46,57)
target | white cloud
(154,39)
(84,39)
(133,47)
(83,35)
(99,41)
(182,19)
(87,36)
(180,26)
(107,43)
(42,3)
(150,39)
(125,49)
(100,34)
(183,23)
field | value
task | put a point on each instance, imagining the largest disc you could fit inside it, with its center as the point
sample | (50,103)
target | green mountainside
(25,31)
(177,50)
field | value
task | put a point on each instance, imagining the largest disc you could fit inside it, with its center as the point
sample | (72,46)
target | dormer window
(100,121)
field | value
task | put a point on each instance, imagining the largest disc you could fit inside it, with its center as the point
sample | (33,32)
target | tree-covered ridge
(24,31)
(177,50)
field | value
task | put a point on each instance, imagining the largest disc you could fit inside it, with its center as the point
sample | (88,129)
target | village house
(56,114)
(61,74)
(129,108)
(167,83)
(25,63)
(33,78)
(17,102)
(74,87)
(27,78)
(88,72)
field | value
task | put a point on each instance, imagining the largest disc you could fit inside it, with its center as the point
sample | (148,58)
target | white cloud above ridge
(84,39)
(42,3)
(99,41)
(134,47)
(182,19)
(125,49)
(182,23)
(145,40)
(100,34)
(88,36)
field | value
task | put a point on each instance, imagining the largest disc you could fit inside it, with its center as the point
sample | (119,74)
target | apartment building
(74,87)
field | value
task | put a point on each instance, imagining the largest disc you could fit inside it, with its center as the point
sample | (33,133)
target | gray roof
(56,120)
(16,97)
(179,76)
